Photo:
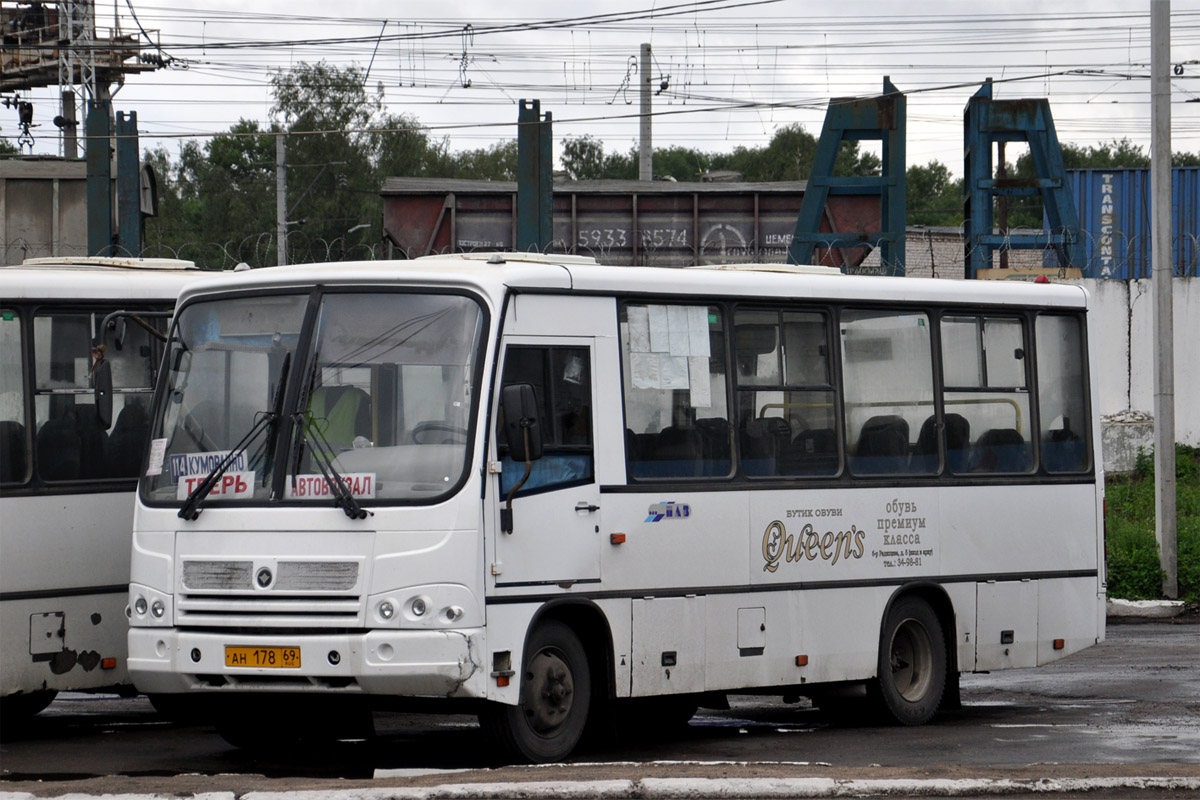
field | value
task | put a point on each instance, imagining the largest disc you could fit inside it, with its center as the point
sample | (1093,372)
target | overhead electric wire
(719,69)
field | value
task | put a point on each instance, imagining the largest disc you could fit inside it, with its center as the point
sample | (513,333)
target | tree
(583,158)
(932,196)
(340,146)
(681,163)
(217,203)
(495,163)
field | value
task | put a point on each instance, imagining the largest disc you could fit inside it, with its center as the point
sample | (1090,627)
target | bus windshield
(318,398)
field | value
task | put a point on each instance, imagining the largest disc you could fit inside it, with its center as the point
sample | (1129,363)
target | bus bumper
(388,662)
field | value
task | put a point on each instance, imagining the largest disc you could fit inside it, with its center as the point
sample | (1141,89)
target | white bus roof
(105,279)
(112,262)
(493,273)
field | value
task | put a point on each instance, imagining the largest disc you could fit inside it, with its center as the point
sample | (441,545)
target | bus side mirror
(521,424)
(102,387)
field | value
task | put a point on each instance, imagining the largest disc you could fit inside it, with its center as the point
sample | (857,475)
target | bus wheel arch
(916,655)
(562,680)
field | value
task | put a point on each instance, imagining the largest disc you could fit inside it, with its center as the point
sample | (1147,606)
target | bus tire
(912,663)
(549,720)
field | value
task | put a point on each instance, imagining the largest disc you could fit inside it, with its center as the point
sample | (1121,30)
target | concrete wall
(1123,348)
(43,208)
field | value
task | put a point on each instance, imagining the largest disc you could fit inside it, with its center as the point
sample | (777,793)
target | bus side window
(1062,394)
(785,394)
(986,385)
(677,421)
(14,462)
(562,381)
(887,366)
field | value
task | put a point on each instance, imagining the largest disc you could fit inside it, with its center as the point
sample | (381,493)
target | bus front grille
(268,610)
(294,576)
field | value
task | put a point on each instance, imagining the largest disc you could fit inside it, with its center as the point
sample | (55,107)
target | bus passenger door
(556,512)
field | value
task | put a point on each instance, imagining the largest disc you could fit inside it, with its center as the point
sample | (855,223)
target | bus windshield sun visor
(265,419)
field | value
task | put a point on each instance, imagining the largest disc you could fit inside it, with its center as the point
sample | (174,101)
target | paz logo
(668,509)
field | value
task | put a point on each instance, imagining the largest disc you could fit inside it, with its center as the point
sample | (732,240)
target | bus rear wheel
(555,698)
(912,663)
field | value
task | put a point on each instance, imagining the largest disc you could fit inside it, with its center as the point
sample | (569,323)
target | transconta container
(1115,221)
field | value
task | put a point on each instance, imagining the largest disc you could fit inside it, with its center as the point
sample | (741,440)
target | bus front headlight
(149,607)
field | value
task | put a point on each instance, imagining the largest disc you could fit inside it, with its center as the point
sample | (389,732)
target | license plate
(263,657)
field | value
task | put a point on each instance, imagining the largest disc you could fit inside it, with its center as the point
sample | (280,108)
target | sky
(728,73)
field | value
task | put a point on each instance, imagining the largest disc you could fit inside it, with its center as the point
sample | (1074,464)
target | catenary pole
(645,148)
(1166,521)
(281,198)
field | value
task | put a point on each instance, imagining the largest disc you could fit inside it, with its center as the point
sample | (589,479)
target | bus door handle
(584,507)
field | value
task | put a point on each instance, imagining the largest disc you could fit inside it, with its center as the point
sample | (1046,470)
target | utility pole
(1165,519)
(281,198)
(645,147)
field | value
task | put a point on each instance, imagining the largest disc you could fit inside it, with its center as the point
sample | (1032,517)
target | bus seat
(681,449)
(958,443)
(763,439)
(714,440)
(882,445)
(93,442)
(58,449)
(12,451)
(127,441)
(812,452)
(632,450)
(1000,450)
(1064,451)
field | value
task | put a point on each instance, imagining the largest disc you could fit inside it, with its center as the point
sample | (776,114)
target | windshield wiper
(191,507)
(323,456)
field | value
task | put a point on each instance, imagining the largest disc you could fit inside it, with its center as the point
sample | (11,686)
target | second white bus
(70,451)
(558,493)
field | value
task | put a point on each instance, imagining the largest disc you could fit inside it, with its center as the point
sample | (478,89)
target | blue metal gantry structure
(535,178)
(884,118)
(985,122)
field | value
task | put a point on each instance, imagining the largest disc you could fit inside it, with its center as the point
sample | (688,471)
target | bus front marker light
(386,610)
(418,607)
(158,609)
(140,606)
(196,655)
(453,613)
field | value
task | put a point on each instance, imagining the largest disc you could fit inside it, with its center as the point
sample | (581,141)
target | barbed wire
(929,252)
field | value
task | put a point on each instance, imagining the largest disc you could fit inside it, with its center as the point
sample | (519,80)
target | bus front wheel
(912,662)
(555,698)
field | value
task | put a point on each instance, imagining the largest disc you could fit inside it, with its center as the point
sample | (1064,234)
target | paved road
(1130,707)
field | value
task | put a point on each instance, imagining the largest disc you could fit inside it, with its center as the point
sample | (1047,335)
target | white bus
(560,493)
(70,450)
